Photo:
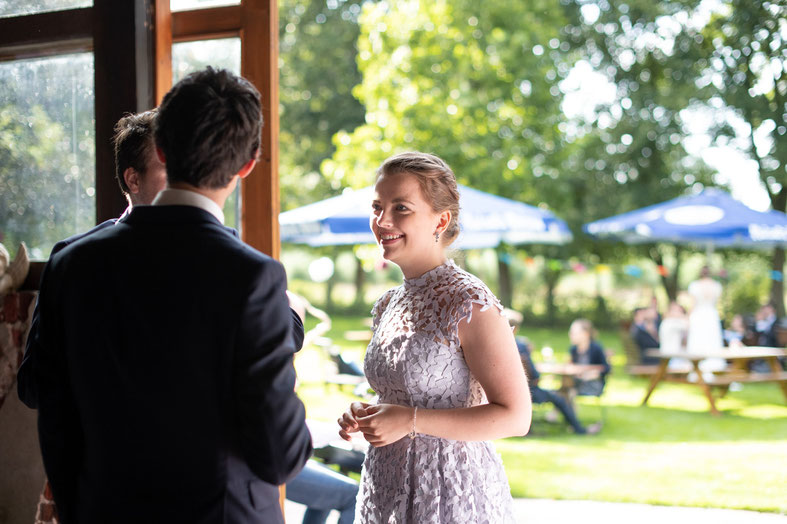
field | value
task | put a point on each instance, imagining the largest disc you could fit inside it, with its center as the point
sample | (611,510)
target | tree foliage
(317,74)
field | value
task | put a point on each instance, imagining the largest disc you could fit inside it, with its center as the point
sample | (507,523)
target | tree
(743,52)
(632,150)
(480,85)
(317,60)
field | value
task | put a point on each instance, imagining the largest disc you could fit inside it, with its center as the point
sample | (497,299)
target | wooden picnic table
(736,370)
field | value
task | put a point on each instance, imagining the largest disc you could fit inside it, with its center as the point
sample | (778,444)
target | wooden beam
(259,64)
(162,28)
(205,24)
(122,40)
(45,34)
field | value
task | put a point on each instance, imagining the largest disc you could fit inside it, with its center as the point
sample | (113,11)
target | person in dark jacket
(645,334)
(164,351)
(586,350)
(538,394)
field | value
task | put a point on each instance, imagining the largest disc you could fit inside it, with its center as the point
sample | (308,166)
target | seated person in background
(735,333)
(673,332)
(321,490)
(644,333)
(317,486)
(539,395)
(586,350)
(765,326)
(674,328)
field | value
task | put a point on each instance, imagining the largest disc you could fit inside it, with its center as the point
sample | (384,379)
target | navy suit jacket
(25,384)
(644,341)
(164,375)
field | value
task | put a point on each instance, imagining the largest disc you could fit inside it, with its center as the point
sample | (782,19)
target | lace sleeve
(473,292)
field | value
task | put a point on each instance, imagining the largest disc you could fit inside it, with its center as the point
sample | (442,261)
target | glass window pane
(188,57)
(47,151)
(187,5)
(29,7)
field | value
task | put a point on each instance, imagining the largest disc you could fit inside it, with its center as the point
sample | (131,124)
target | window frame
(131,42)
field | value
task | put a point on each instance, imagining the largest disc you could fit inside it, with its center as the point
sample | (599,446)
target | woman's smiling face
(404,224)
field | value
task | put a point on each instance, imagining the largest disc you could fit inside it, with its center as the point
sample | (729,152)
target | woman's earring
(436,237)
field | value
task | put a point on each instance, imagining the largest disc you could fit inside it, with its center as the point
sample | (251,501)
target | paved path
(542,511)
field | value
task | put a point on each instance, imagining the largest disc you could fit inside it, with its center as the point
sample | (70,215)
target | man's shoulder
(59,246)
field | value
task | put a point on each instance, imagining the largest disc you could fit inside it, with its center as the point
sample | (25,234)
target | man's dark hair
(208,127)
(134,144)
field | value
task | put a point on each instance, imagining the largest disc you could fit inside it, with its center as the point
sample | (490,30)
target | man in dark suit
(645,334)
(164,355)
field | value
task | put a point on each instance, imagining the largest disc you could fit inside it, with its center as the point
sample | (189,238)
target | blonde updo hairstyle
(437,181)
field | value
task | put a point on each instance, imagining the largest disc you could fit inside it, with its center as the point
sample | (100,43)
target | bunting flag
(631,270)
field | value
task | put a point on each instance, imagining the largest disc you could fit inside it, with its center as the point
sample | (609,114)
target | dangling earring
(436,237)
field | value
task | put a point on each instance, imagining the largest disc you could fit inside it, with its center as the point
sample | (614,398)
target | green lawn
(670,452)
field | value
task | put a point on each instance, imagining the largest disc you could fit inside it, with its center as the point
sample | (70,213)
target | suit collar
(171,214)
(184,197)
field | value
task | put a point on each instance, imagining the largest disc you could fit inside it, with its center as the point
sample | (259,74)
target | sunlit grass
(671,452)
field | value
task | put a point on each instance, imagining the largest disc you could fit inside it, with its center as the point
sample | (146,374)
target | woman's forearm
(484,422)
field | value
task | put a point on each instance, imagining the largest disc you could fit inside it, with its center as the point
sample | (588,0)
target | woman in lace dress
(443,363)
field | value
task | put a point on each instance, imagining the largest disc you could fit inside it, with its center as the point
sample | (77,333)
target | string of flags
(632,270)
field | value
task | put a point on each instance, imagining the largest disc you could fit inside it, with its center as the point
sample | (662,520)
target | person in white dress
(673,331)
(704,323)
(443,362)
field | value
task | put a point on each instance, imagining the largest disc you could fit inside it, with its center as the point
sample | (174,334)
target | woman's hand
(348,420)
(384,424)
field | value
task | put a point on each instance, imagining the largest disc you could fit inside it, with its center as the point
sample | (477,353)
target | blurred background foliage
(586,107)
(492,87)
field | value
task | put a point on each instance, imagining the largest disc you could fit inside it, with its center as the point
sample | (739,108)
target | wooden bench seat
(743,377)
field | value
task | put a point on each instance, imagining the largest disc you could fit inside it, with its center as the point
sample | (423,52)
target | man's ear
(247,167)
(132,179)
(160,155)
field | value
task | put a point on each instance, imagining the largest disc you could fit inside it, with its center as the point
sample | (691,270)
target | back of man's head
(134,145)
(208,128)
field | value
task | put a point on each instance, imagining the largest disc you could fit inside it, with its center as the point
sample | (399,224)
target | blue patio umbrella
(711,218)
(486,221)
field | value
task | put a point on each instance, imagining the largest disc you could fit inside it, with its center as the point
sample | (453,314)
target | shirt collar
(184,197)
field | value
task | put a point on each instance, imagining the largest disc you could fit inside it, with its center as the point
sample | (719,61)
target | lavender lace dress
(414,359)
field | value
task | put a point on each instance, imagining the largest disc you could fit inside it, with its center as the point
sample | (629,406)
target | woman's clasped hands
(381,424)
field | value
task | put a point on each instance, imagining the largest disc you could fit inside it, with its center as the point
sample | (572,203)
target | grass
(670,452)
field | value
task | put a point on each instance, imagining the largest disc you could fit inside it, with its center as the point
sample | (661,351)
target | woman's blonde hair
(586,326)
(437,181)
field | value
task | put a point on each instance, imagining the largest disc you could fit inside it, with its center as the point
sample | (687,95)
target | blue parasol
(486,221)
(711,218)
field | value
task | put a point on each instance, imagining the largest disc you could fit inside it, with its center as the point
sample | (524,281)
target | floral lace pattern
(415,359)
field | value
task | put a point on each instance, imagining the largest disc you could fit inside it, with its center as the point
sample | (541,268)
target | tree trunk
(778,202)
(602,312)
(504,276)
(551,277)
(360,280)
(670,279)
(329,292)
(777,285)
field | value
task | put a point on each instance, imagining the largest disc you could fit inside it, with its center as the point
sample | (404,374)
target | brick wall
(21,470)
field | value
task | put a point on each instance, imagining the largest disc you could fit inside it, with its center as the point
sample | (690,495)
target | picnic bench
(736,370)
